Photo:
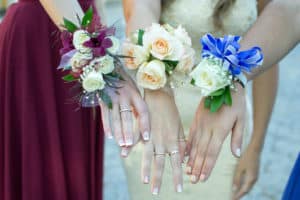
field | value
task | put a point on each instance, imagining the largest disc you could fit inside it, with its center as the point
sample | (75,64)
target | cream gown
(196,17)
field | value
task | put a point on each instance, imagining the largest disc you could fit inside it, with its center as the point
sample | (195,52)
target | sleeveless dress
(196,17)
(49,150)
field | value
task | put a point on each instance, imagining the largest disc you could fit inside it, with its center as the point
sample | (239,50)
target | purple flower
(101,42)
(67,42)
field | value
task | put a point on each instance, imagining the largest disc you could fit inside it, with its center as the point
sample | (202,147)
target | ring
(181,140)
(126,110)
(159,154)
(173,153)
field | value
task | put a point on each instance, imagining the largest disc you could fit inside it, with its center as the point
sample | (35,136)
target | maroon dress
(48,149)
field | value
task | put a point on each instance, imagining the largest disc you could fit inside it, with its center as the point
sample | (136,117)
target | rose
(152,75)
(115,45)
(181,34)
(186,63)
(162,44)
(79,38)
(137,55)
(79,60)
(210,76)
(134,37)
(93,81)
(103,64)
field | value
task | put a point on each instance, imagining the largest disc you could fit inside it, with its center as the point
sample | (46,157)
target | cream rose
(103,64)
(181,34)
(187,62)
(209,76)
(79,38)
(152,75)
(116,45)
(79,60)
(137,53)
(93,81)
(162,44)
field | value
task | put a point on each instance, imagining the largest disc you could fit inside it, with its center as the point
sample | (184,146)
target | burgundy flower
(67,42)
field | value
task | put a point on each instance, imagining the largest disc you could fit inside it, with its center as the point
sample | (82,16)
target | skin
(129,96)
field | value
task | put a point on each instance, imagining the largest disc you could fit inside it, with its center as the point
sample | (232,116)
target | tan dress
(196,17)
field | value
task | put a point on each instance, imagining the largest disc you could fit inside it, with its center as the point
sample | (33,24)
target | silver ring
(173,153)
(126,110)
(159,154)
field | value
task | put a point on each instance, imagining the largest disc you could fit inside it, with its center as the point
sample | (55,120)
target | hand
(246,172)
(126,102)
(208,132)
(167,139)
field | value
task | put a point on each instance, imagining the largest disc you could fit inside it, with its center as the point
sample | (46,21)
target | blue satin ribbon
(227,49)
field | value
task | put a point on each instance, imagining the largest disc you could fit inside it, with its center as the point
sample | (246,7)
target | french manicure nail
(155,191)
(121,143)
(124,152)
(179,188)
(193,178)
(146,179)
(146,136)
(202,177)
(238,152)
(188,169)
(109,136)
(129,142)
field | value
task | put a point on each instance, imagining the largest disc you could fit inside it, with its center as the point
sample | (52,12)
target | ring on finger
(159,154)
(173,152)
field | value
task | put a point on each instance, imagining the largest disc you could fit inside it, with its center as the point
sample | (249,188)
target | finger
(237,137)
(237,180)
(159,164)
(189,141)
(193,152)
(246,186)
(105,117)
(125,151)
(201,153)
(177,171)
(182,145)
(146,162)
(143,116)
(116,123)
(211,156)
(127,122)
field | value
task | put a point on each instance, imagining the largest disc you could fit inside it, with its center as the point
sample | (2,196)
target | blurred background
(282,143)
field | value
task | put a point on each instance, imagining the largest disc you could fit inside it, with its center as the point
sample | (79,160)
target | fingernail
(121,143)
(109,136)
(188,169)
(238,152)
(146,179)
(179,188)
(129,142)
(155,191)
(193,178)
(124,152)
(146,136)
(202,177)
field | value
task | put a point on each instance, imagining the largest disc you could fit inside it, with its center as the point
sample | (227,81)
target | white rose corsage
(222,65)
(157,53)
(91,60)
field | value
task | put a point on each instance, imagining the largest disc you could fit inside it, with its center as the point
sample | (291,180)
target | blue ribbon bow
(227,49)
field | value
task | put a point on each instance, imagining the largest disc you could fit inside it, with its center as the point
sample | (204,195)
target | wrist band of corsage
(223,65)
(91,60)
(159,55)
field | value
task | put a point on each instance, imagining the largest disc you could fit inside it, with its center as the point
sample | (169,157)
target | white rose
(187,62)
(152,75)
(93,81)
(162,44)
(137,53)
(79,38)
(210,76)
(181,34)
(134,37)
(79,60)
(104,64)
(116,45)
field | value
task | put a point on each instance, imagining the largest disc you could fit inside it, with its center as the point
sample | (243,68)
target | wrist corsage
(222,65)
(157,54)
(90,59)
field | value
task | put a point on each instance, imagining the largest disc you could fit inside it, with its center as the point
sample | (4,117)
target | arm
(278,16)
(58,9)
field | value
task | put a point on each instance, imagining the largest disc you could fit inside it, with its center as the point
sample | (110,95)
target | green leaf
(216,103)
(70,26)
(227,95)
(106,99)
(193,82)
(88,17)
(69,78)
(218,92)
(171,63)
(169,68)
(140,37)
(207,102)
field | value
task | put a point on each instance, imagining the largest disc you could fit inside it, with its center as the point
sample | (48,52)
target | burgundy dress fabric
(49,150)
